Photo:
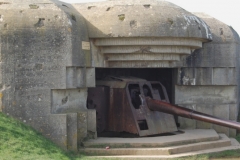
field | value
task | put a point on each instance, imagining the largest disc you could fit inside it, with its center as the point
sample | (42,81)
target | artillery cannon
(161,106)
(138,106)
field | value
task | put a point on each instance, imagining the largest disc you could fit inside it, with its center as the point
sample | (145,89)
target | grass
(218,155)
(18,141)
(238,137)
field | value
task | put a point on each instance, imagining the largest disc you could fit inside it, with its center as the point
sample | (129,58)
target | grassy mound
(18,141)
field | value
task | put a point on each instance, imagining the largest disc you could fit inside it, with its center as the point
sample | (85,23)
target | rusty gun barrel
(157,105)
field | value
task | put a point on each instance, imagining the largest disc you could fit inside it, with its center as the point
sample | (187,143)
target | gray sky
(225,11)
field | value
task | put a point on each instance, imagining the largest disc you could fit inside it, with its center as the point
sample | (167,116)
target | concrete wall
(45,67)
(209,78)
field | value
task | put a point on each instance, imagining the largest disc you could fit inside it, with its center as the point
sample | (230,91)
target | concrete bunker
(52,52)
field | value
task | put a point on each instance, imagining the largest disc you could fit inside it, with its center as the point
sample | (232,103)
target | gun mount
(138,106)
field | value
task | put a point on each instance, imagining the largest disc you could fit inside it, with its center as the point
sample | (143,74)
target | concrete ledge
(190,136)
(234,144)
(223,142)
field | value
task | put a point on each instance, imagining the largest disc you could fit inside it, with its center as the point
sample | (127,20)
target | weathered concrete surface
(206,94)
(144,52)
(92,123)
(141,34)
(72,132)
(213,55)
(191,140)
(234,146)
(82,123)
(224,142)
(79,77)
(69,101)
(147,18)
(221,52)
(210,77)
(39,41)
(189,136)
(207,76)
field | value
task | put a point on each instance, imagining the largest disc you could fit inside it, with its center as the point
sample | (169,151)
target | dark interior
(163,75)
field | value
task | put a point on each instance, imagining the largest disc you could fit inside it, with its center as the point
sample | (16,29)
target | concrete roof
(141,18)
(221,32)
